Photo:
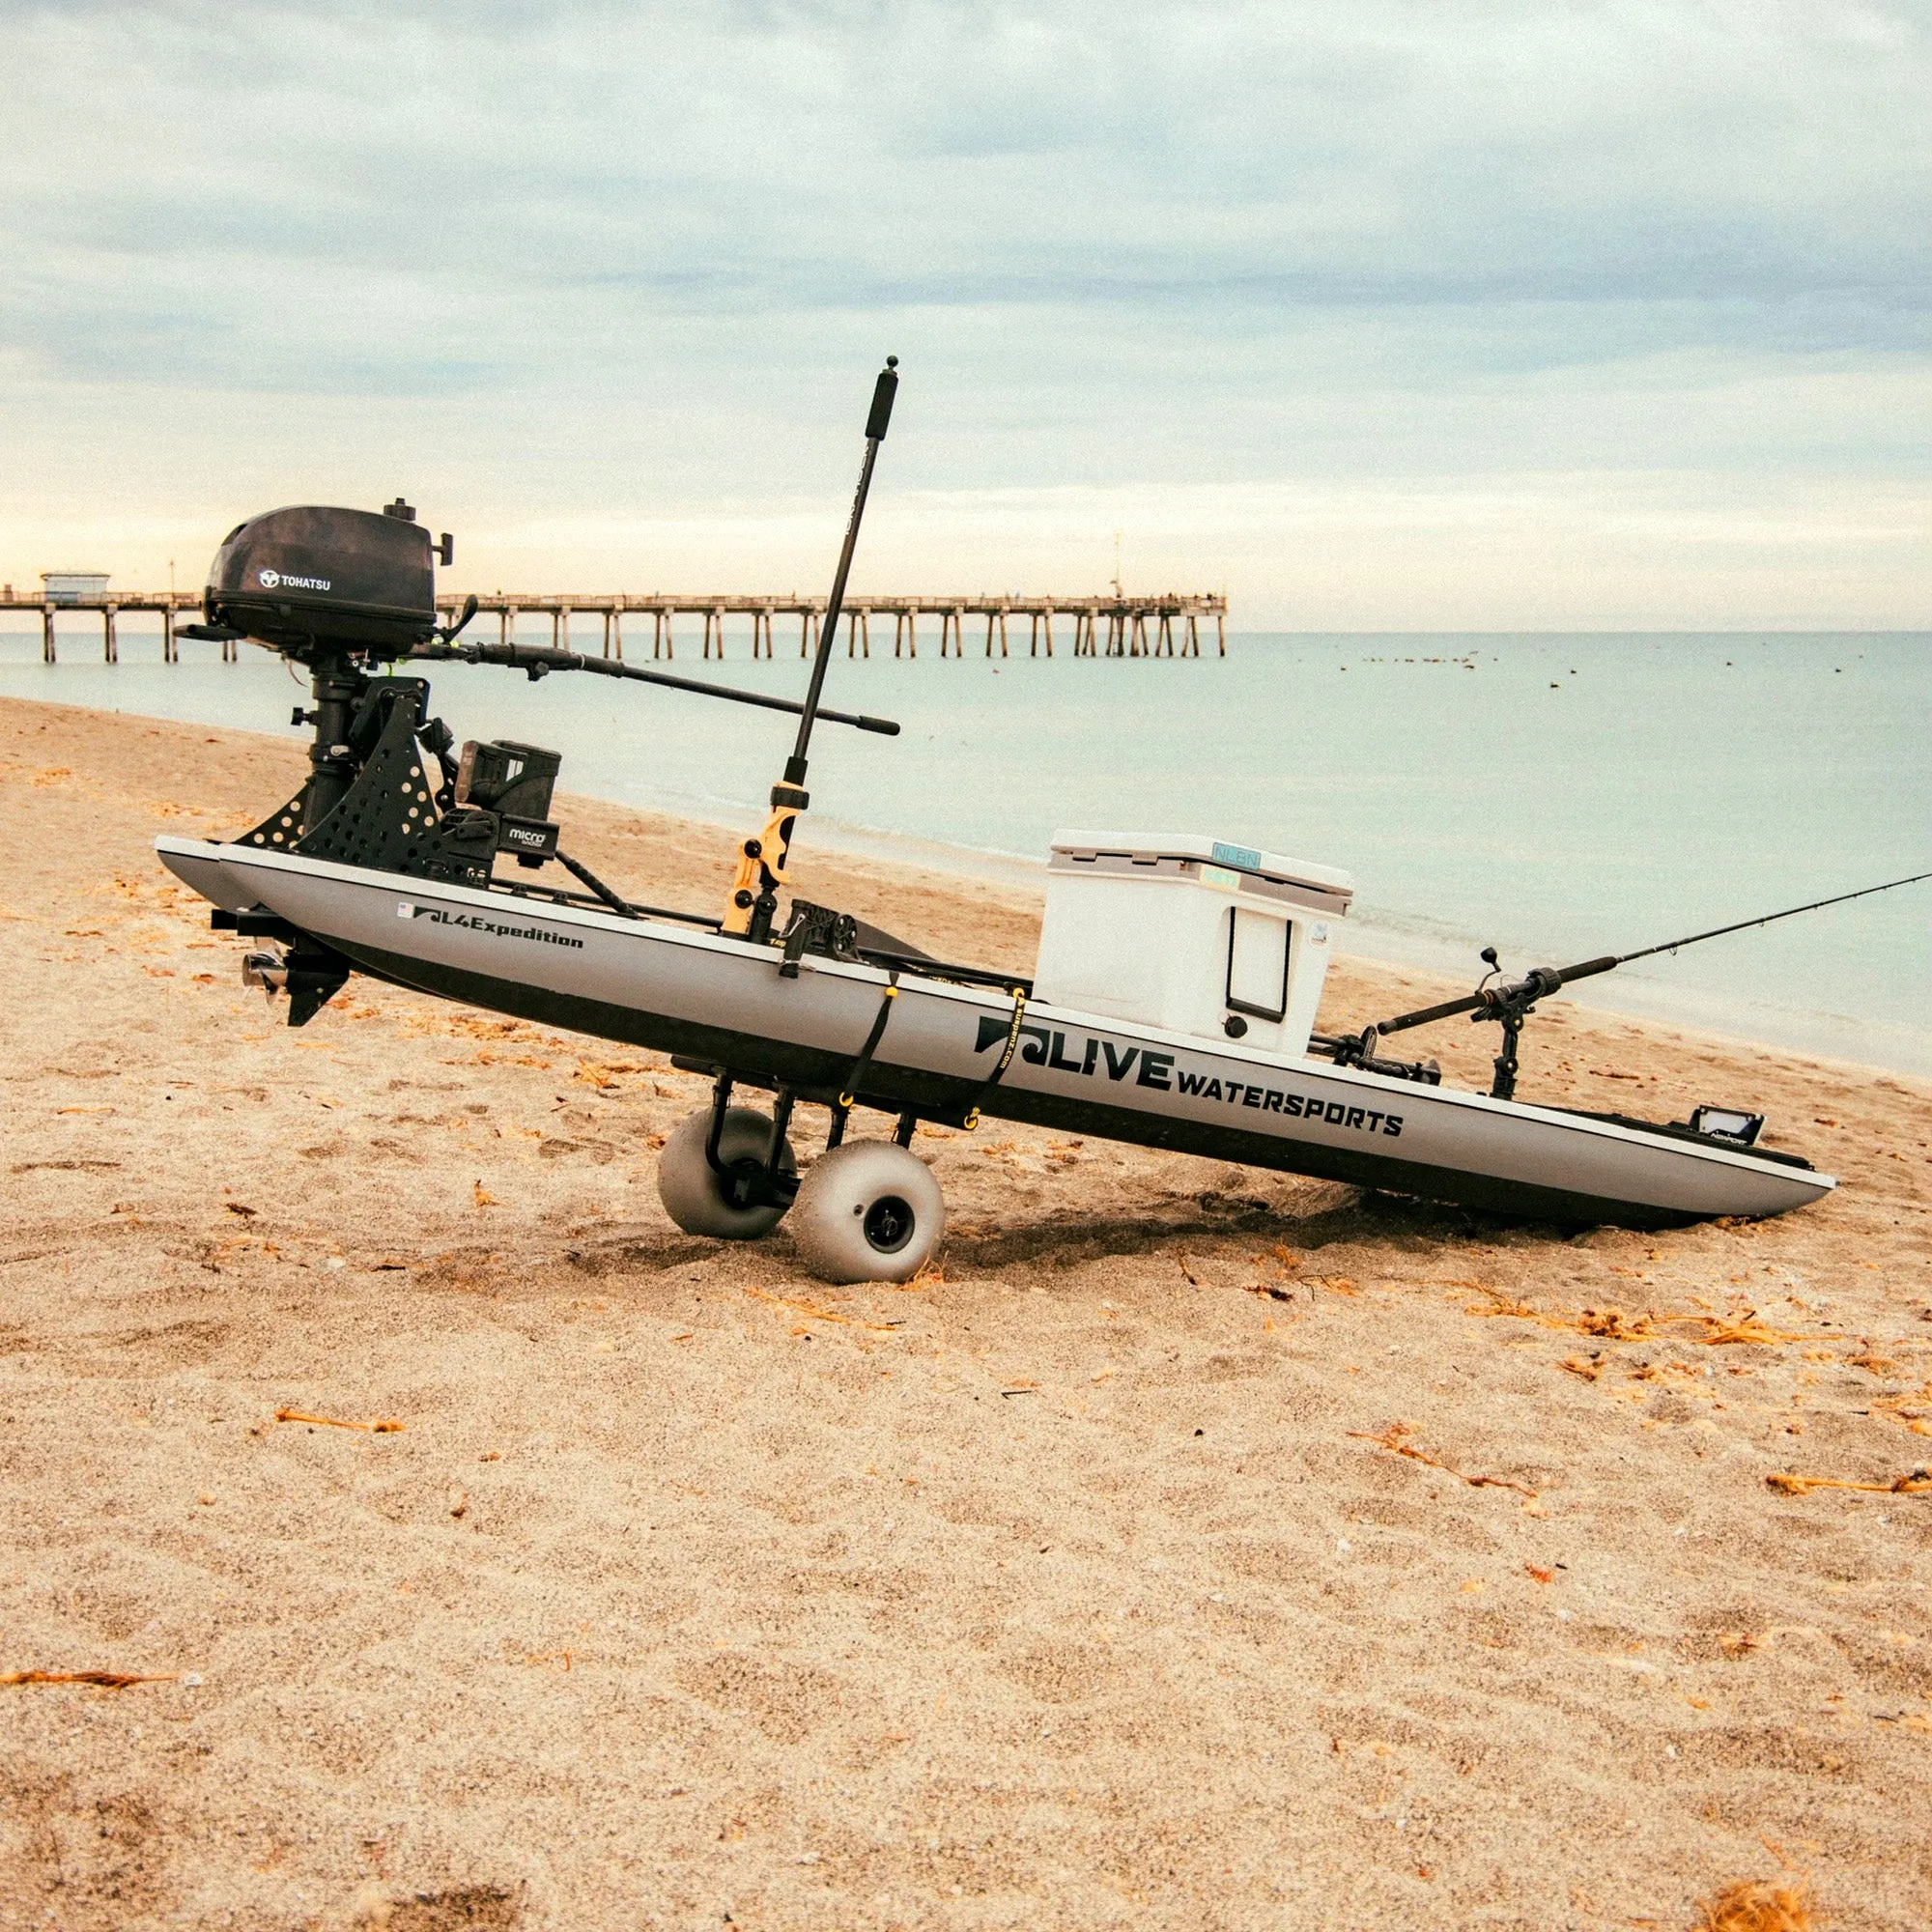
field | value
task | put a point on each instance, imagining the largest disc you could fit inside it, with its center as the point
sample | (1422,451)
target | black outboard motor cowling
(306,579)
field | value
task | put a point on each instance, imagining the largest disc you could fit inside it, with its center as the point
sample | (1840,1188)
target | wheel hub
(889,1224)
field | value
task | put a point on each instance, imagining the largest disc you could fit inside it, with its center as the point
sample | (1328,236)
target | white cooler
(1188,934)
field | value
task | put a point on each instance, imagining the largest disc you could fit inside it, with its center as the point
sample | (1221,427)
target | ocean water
(1558,797)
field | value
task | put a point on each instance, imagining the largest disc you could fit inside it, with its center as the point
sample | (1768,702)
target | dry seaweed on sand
(818,1314)
(1723,1331)
(1906,1409)
(1504,1304)
(107,1680)
(1918,1484)
(1756,1905)
(1394,1438)
(382,1428)
(1272,1290)
(1614,1324)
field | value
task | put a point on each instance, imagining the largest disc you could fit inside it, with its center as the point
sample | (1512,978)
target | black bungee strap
(970,1117)
(857,1072)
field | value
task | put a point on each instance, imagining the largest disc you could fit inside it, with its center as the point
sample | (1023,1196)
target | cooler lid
(1150,847)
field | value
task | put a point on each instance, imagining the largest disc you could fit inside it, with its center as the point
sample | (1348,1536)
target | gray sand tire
(868,1211)
(691,1191)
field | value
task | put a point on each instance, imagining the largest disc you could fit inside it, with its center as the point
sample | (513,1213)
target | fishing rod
(540,662)
(1512,1003)
(762,860)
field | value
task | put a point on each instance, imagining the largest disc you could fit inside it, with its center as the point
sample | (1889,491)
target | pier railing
(1111,626)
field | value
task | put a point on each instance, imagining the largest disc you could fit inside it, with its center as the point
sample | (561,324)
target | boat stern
(200,864)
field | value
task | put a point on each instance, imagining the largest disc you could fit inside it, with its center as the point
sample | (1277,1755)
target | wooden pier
(1109,626)
(110,608)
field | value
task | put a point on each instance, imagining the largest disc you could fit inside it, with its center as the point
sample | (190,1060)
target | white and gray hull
(721,1001)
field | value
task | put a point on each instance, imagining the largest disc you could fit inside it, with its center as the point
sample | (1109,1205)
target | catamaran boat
(1173,1003)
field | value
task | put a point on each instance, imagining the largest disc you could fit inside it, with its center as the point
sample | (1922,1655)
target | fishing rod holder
(818,929)
(1503,1086)
(1510,1006)
(1359,1050)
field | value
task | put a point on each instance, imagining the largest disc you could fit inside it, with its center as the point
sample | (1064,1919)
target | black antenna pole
(762,860)
(876,425)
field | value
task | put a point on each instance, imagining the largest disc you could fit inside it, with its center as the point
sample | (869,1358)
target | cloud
(586,258)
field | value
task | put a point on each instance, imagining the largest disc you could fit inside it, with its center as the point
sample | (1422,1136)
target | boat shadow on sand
(1324,1214)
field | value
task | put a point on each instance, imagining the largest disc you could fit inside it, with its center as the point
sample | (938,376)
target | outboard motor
(305,580)
(340,592)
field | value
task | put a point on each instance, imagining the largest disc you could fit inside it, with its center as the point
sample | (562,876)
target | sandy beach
(1196,1548)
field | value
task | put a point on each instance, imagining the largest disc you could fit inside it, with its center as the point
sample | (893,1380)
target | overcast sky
(1375,314)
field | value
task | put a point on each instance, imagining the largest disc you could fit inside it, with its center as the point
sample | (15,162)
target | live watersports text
(1043,1047)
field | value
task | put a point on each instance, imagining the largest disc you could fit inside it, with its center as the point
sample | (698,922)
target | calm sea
(1558,797)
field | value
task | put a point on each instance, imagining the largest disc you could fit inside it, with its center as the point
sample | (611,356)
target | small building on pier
(72,586)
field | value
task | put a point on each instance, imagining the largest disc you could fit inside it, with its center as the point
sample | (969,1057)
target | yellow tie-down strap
(969,1118)
(872,1040)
